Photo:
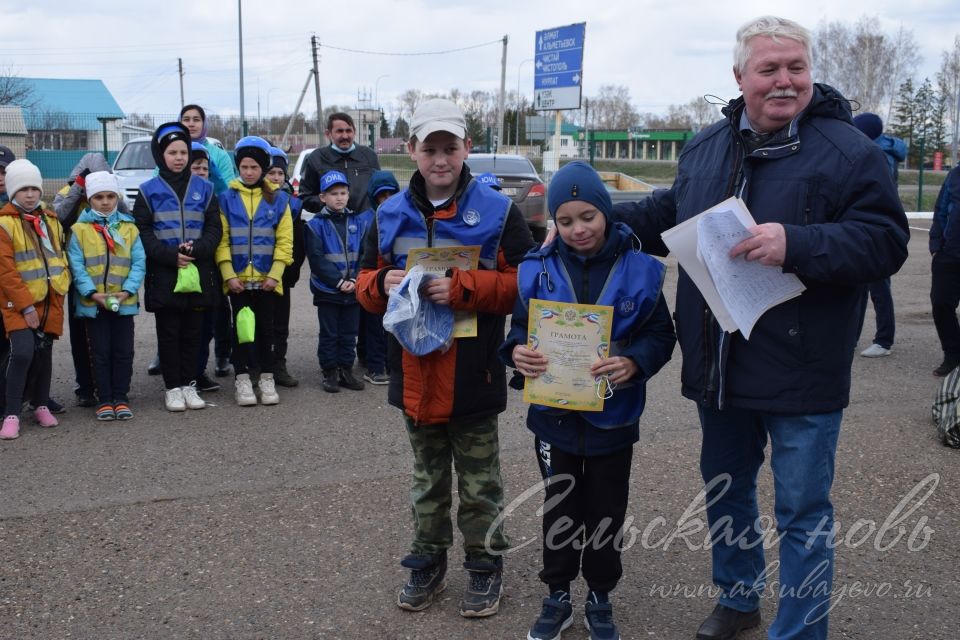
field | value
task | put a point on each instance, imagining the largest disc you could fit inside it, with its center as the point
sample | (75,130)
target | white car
(134,165)
(298,169)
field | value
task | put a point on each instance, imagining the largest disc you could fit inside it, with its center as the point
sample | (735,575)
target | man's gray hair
(770,26)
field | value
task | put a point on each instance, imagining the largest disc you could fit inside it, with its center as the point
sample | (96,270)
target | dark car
(519,180)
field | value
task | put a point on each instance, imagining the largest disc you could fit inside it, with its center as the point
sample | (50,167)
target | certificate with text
(573,337)
(438,260)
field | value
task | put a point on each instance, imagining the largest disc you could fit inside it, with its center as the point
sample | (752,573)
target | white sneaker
(191,398)
(173,400)
(244,394)
(875,351)
(268,390)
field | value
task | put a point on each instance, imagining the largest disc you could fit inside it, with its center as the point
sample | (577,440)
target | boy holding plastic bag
(450,397)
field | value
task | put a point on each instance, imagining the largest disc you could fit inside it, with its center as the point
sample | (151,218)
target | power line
(420,53)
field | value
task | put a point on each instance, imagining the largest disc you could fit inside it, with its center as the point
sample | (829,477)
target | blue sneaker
(555,616)
(427,579)
(598,617)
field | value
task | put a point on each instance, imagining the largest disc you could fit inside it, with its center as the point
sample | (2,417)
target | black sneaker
(331,382)
(555,616)
(222,369)
(153,369)
(376,378)
(948,365)
(427,579)
(55,407)
(204,383)
(598,618)
(482,595)
(85,400)
(281,376)
(348,381)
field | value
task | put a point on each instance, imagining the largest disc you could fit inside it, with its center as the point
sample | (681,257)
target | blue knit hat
(870,124)
(578,181)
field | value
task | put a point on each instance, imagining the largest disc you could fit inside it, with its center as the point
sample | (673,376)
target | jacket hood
(88,215)
(826,102)
(92,161)
(379,180)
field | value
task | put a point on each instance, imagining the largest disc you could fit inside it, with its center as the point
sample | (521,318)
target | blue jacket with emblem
(333,243)
(619,275)
(830,188)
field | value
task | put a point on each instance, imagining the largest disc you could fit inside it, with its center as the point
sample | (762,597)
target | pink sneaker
(44,418)
(10,429)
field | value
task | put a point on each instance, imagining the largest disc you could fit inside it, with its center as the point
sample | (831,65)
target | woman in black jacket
(179,221)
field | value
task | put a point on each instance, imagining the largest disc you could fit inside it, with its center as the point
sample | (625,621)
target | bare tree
(906,58)
(950,74)
(13,90)
(831,41)
(612,108)
(408,102)
(702,113)
(863,62)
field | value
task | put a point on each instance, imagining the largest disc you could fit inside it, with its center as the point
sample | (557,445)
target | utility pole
(503,94)
(243,119)
(316,88)
(296,110)
(180,65)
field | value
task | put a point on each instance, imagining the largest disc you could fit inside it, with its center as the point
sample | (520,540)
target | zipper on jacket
(253,213)
(106,269)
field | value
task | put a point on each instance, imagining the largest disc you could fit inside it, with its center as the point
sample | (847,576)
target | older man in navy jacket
(828,212)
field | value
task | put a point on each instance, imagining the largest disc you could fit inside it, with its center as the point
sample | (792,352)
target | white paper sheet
(738,291)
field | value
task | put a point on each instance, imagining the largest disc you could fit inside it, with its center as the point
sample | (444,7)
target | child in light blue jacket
(108,264)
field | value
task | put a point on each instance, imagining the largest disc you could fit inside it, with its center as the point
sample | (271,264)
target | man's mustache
(781,93)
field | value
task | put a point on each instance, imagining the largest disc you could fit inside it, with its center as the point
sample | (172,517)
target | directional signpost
(558,70)
(558,78)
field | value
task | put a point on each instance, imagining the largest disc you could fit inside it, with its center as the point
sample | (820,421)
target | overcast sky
(664,52)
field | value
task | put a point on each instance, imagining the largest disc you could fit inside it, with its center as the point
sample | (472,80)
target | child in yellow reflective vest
(33,281)
(108,264)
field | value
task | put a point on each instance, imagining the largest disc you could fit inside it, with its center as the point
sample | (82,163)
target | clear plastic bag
(419,325)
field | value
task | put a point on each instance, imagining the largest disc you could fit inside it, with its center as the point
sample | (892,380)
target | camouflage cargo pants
(474,449)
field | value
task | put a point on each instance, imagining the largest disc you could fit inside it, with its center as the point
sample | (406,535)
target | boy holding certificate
(585,456)
(450,398)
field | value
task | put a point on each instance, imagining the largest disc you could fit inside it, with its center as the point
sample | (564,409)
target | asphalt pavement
(289,521)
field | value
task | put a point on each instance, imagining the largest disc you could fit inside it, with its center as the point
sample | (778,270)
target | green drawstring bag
(188,280)
(246,325)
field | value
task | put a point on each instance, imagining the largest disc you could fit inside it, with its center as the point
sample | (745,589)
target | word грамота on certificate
(573,337)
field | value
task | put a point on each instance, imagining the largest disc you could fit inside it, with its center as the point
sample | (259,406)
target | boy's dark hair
(340,116)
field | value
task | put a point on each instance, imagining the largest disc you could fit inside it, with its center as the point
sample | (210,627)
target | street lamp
(376,88)
(103,121)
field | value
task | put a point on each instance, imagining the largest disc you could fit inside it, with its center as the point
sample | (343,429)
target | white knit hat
(99,181)
(21,174)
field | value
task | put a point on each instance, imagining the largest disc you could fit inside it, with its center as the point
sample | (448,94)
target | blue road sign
(558,76)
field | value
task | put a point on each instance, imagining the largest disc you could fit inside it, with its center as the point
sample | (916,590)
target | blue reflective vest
(345,258)
(632,288)
(176,222)
(296,207)
(252,239)
(479,221)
